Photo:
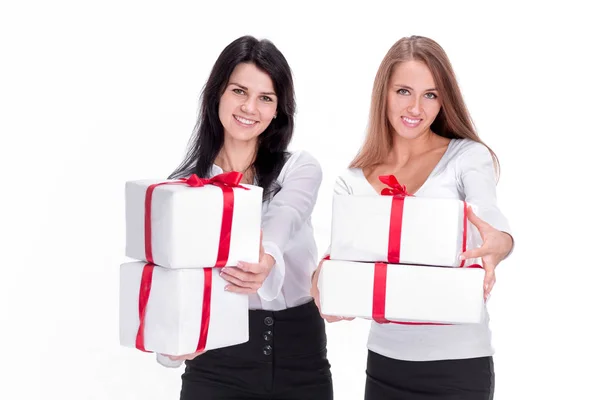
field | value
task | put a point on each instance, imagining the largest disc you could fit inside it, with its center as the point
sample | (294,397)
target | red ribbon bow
(229,179)
(395,188)
(398,192)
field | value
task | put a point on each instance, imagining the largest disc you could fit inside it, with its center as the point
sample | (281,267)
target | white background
(94,93)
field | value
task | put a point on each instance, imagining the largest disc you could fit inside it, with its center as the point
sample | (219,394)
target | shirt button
(267,350)
(269,321)
(267,335)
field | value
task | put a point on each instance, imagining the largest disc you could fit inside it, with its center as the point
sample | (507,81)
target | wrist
(509,241)
(270,260)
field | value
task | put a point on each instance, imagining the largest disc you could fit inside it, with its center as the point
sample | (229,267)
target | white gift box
(412,293)
(431,230)
(174,311)
(186,224)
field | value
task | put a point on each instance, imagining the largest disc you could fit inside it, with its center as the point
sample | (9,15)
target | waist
(300,262)
(292,332)
(429,343)
(300,311)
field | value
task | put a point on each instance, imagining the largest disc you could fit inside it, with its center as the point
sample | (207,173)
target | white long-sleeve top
(287,236)
(465,172)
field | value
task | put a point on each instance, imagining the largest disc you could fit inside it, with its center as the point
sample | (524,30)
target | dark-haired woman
(245,124)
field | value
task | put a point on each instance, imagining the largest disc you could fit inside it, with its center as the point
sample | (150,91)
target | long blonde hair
(453,120)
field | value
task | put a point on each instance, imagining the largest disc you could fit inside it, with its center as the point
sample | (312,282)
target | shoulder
(301,157)
(348,180)
(473,158)
(302,163)
(466,152)
(468,146)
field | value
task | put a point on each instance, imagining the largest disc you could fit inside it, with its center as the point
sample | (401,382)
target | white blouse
(465,172)
(287,236)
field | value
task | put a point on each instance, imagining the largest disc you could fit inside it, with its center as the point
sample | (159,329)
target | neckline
(431,174)
(216,170)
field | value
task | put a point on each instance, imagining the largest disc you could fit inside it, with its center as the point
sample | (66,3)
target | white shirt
(287,236)
(465,172)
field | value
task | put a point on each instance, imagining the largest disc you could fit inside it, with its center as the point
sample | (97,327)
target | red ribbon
(379,292)
(394,187)
(145,288)
(205,320)
(226,182)
(395,235)
(464,235)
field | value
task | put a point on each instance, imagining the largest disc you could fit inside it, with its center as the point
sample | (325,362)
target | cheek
(223,104)
(391,102)
(221,112)
(396,105)
(229,101)
(433,109)
(268,110)
(226,109)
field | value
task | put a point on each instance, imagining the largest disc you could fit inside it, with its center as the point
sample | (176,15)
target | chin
(244,136)
(409,135)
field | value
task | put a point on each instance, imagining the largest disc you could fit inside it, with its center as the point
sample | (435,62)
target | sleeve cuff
(502,225)
(271,287)
(167,362)
(513,244)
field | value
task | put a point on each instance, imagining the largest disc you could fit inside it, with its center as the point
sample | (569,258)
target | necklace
(248,174)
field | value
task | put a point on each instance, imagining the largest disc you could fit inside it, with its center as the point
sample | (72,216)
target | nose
(415,107)
(249,105)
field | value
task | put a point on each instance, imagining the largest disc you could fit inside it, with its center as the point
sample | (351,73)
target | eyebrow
(246,89)
(408,87)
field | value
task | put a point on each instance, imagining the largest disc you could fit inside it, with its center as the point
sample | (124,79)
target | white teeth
(244,120)
(411,121)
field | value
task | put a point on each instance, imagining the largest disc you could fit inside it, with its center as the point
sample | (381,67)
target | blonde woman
(420,131)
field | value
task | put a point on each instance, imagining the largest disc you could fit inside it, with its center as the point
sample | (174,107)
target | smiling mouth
(412,121)
(244,121)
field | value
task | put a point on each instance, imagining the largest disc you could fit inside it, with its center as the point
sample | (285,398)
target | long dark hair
(208,137)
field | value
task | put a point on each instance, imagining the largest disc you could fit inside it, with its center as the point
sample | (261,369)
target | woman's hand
(496,246)
(185,356)
(314,292)
(247,278)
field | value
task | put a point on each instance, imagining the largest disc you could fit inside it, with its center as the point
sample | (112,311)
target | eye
(403,92)
(431,96)
(266,99)
(238,91)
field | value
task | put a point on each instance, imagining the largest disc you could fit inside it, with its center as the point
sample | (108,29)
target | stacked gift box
(173,301)
(395,258)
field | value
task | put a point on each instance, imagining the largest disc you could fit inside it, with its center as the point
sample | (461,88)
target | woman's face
(248,104)
(412,99)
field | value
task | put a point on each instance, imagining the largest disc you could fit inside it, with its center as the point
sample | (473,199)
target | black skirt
(467,379)
(285,358)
